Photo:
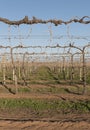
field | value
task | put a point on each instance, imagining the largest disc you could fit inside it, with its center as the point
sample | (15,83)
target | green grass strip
(39,105)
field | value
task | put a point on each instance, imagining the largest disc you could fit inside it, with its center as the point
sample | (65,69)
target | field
(46,101)
(44,77)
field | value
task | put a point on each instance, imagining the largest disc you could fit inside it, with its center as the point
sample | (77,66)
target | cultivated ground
(25,118)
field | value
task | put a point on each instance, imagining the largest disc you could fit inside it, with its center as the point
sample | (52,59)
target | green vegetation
(53,89)
(54,75)
(42,105)
(50,90)
(24,90)
(45,74)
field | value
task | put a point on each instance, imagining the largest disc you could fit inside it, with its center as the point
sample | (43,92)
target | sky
(45,9)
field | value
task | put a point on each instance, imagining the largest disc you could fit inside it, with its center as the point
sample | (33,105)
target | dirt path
(65,122)
(44,95)
(47,96)
(41,125)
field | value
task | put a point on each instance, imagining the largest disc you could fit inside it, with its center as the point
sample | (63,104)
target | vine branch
(35,20)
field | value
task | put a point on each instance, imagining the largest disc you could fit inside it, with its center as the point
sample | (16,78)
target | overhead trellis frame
(35,20)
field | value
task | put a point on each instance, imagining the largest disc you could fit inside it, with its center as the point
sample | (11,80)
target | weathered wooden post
(4,69)
(14,73)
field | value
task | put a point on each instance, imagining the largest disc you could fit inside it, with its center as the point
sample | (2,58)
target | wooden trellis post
(63,67)
(14,73)
(4,69)
(84,71)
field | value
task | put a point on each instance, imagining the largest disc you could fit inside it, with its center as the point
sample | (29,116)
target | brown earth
(71,122)
(40,125)
(21,120)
